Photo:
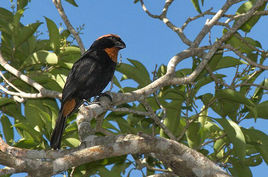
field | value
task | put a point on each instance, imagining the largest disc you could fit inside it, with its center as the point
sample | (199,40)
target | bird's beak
(120,45)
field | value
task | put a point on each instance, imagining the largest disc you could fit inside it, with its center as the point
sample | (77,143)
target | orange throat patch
(113,53)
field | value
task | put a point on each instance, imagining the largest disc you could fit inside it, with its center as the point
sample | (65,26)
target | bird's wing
(78,76)
(88,77)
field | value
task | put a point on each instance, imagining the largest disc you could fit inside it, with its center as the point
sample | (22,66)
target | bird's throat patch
(68,107)
(113,53)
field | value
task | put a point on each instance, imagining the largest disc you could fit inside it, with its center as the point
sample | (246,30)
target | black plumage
(87,78)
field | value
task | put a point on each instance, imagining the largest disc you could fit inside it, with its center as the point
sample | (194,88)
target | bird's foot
(106,94)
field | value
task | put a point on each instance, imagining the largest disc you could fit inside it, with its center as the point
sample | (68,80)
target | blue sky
(148,40)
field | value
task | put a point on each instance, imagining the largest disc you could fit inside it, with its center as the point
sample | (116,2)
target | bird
(88,77)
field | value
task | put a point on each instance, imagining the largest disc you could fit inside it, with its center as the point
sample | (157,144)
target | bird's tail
(58,131)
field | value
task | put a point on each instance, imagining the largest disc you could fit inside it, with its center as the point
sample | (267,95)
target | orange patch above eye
(68,107)
(113,53)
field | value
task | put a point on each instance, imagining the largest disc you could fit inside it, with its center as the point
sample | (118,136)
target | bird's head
(110,43)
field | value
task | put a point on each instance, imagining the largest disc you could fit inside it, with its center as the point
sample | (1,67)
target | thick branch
(212,22)
(183,160)
(217,45)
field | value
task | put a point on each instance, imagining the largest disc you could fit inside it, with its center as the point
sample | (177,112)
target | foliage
(211,117)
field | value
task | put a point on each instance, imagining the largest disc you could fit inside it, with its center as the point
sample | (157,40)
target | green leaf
(43,57)
(6,18)
(13,109)
(193,135)
(196,5)
(206,80)
(21,4)
(72,2)
(26,143)
(249,79)
(137,72)
(46,79)
(253,160)
(212,127)
(72,142)
(253,20)
(216,106)
(258,139)
(32,114)
(25,126)
(258,93)
(239,169)
(212,64)
(235,135)
(234,96)
(242,43)
(140,68)
(16,20)
(227,62)
(43,45)
(215,60)
(54,35)
(4,101)
(60,75)
(7,129)
(5,27)
(261,111)
(218,147)
(116,82)
(203,119)
(25,33)
(6,15)
(118,168)
(173,120)
(68,56)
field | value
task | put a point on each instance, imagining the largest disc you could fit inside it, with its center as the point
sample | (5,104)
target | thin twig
(254,85)
(238,53)
(43,92)
(217,81)
(166,7)
(9,83)
(69,26)
(190,121)
(190,19)
(164,19)
(147,11)
(211,141)
(155,95)
(157,120)
(209,24)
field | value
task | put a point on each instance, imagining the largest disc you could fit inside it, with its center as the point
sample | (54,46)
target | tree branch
(157,120)
(209,24)
(69,26)
(43,92)
(238,53)
(164,19)
(185,161)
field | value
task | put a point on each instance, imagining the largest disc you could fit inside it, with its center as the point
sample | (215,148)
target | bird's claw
(104,95)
